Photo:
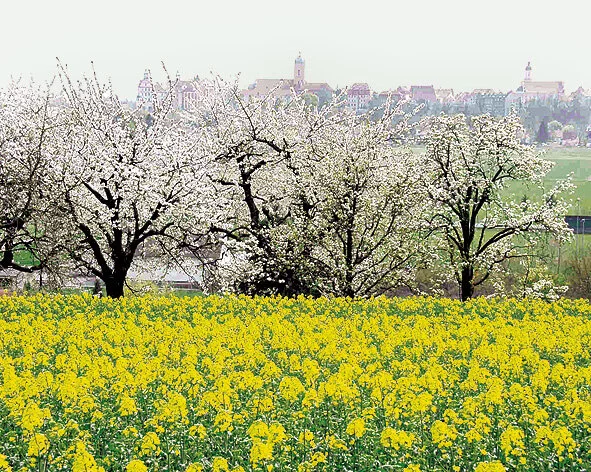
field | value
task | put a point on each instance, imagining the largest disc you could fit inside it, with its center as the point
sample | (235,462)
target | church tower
(528,72)
(145,92)
(298,73)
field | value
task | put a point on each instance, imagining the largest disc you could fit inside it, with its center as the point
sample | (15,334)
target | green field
(568,160)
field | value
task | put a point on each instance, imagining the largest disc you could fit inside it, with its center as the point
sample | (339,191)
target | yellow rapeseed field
(229,383)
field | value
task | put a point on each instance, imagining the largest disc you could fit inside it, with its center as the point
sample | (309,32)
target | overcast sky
(459,44)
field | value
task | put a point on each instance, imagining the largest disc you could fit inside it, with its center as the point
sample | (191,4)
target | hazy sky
(460,44)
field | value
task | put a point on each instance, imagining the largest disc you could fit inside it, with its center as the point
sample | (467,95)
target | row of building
(477,101)
(360,97)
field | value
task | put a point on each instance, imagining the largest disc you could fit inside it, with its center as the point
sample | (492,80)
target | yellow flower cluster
(512,441)
(4,465)
(443,434)
(494,466)
(264,437)
(84,461)
(396,439)
(150,444)
(356,428)
(232,383)
(560,437)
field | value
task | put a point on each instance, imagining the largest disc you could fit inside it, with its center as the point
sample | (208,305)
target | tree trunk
(467,287)
(114,286)
(349,292)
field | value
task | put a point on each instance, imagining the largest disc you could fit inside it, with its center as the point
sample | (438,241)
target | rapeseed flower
(356,428)
(494,466)
(194,467)
(38,445)
(391,438)
(136,466)
(84,460)
(4,465)
(317,384)
(150,444)
(220,465)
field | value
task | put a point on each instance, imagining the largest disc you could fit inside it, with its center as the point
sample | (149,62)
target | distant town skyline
(446,44)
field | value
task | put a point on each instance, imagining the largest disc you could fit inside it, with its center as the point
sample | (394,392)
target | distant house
(279,88)
(184,93)
(404,92)
(423,93)
(145,93)
(460,103)
(444,96)
(484,91)
(396,96)
(513,100)
(488,101)
(358,97)
(571,142)
(577,223)
(582,96)
(463,97)
(322,90)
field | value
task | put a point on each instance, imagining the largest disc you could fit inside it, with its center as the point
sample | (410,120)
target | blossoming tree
(127,184)
(363,194)
(316,201)
(27,217)
(255,148)
(467,168)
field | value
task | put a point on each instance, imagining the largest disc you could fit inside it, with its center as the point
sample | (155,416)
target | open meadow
(236,383)
(575,160)
(568,160)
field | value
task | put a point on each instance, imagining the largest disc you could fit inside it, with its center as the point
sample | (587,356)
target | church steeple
(298,72)
(528,71)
